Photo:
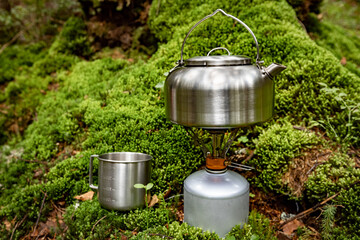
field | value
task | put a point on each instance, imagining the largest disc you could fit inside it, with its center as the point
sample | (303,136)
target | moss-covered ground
(59,105)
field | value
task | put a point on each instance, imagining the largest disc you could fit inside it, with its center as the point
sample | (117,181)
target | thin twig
(17,35)
(97,223)
(301,128)
(178,195)
(316,207)
(248,157)
(43,237)
(58,21)
(310,210)
(3,47)
(18,225)
(41,208)
(314,166)
(158,8)
(323,154)
(317,163)
(57,208)
(302,25)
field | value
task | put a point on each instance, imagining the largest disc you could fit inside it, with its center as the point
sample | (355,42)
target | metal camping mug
(118,173)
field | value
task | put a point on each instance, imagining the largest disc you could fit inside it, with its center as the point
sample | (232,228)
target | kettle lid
(218,60)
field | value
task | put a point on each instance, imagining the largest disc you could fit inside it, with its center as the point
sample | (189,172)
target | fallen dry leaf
(167,194)
(42,230)
(86,196)
(74,152)
(154,200)
(343,61)
(179,216)
(14,127)
(34,233)
(282,236)
(7,225)
(290,227)
(54,218)
(38,173)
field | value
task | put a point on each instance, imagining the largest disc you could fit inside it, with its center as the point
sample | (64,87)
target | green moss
(341,43)
(82,217)
(19,110)
(335,175)
(53,63)
(332,176)
(341,127)
(339,233)
(258,227)
(61,118)
(14,173)
(350,212)
(72,39)
(31,71)
(177,231)
(275,149)
(16,58)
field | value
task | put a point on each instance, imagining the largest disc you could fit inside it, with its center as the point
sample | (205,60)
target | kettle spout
(272,70)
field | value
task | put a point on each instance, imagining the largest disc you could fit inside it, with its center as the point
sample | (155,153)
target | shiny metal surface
(117,174)
(218,97)
(273,69)
(221,60)
(220,92)
(218,48)
(216,202)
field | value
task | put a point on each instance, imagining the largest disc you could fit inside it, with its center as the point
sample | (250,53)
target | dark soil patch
(301,167)
(119,24)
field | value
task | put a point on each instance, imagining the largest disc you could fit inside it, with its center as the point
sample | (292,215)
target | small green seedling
(147,187)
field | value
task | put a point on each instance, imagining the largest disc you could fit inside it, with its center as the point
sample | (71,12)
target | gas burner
(215,146)
(212,97)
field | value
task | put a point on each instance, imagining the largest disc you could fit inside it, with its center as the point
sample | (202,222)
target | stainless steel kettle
(220,92)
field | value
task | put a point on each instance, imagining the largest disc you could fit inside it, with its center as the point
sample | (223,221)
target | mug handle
(90,172)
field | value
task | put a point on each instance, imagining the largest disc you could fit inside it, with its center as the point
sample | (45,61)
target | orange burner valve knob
(213,163)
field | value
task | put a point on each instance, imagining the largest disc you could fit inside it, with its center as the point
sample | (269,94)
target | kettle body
(220,92)
(220,96)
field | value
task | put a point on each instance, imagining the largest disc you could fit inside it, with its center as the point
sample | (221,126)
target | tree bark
(5,4)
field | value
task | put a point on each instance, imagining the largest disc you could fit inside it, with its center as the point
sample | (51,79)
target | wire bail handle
(258,62)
